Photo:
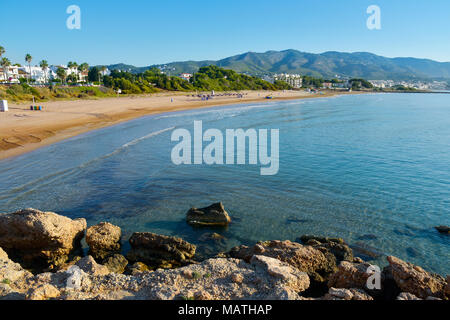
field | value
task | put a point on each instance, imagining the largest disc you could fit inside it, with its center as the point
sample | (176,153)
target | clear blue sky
(148,32)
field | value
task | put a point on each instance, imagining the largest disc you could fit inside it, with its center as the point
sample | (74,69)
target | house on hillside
(186,76)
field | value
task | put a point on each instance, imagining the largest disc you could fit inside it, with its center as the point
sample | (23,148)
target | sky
(146,32)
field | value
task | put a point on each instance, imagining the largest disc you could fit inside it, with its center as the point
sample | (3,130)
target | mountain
(325,65)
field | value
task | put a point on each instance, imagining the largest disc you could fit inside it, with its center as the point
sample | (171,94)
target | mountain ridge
(329,64)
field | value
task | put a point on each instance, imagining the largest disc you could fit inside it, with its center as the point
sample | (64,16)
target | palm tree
(2,52)
(61,73)
(83,67)
(29,58)
(5,63)
(102,73)
(44,65)
(73,65)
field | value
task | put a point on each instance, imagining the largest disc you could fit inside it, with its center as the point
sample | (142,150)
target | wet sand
(23,130)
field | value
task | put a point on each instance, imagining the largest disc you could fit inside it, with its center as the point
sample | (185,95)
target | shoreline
(160,267)
(23,131)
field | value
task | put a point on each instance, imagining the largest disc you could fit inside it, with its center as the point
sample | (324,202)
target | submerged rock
(39,239)
(336,246)
(413,279)
(214,215)
(159,251)
(103,239)
(443,229)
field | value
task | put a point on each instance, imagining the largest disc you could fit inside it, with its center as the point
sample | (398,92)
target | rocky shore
(41,258)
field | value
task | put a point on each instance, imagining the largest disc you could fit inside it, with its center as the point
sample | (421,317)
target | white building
(10,75)
(81,76)
(38,75)
(186,76)
(294,80)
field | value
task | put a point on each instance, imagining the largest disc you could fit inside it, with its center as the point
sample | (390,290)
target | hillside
(327,65)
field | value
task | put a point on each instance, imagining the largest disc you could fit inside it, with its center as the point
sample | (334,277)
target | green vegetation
(25,93)
(358,84)
(6,281)
(219,79)
(206,79)
(403,88)
(196,275)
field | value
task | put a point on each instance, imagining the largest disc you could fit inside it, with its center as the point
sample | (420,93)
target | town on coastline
(20,83)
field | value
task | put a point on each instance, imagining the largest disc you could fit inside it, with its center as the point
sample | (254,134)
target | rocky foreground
(40,258)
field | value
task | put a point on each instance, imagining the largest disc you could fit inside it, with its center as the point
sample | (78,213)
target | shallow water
(373,169)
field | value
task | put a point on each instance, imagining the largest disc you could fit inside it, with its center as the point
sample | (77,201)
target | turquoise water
(373,169)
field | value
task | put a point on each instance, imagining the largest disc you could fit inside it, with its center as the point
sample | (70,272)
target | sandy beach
(23,130)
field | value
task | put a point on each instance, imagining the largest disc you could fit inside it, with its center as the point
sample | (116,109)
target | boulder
(103,239)
(116,263)
(335,246)
(89,266)
(39,239)
(292,277)
(443,229)
(214,215)
(159,251)
(413,279)
(351,275)
(447,288)
(43,292)
(14,280)
(346,294)
(137,269)
(305,258)
(407,296)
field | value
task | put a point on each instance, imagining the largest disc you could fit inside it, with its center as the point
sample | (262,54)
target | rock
(447,288)
(351,275)
(116,263)
(237,278)
(346,294)
(214,215)
(358,260)
(305,258)
(137,268)
(89,266)
(407,296)
(13,277)
(413,279)
(202,295)
(294,279)
(103,239)
(336,246)
(3,255)
(443,229)
(159,251)
(43,292)
(39,239)
(211,237)
(365,251)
